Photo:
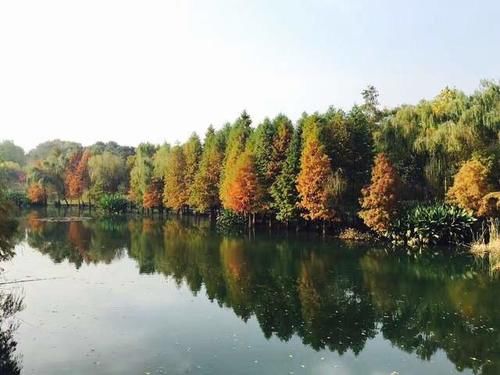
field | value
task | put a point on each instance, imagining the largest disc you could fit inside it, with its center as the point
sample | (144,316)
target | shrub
(439,224)
(18,198)
(113,203)
(229,221)
(488,245)
(352,234)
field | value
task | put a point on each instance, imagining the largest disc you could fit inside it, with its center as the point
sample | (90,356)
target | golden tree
(175,194)
(244,192)
(37,194)
(312,181)
(470,185)
(380,199)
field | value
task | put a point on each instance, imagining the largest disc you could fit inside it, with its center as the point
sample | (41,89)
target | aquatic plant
(113,203)
(230,222)
(438,224)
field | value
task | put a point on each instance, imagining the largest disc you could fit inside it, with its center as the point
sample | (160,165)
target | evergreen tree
(192,153)
(284,190)
(205,193)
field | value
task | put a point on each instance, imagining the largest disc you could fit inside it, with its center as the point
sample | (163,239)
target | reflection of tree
(77,241)
(8,231)
(330,296)
(425,305)
(9,306)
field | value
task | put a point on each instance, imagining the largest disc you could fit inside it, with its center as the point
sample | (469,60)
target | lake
(171,296)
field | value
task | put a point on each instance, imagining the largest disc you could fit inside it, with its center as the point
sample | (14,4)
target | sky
(136,71)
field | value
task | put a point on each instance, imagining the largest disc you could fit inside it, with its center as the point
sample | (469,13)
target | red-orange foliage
(380,199)
(244,191)
(77,176)
(154,194)
(37,194)
(312,181)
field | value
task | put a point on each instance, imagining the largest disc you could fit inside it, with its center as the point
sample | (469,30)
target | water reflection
(10,302)
(329,295)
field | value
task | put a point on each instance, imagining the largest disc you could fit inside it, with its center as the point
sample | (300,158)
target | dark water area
(171,296)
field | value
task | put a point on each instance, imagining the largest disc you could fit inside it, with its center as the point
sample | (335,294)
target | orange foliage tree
(37,194)
(379,200)
(244,191)
(470,185)
(175,194)
(154,194)
(312,181)
(77,178)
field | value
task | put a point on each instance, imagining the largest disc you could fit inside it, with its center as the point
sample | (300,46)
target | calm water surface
(143,296)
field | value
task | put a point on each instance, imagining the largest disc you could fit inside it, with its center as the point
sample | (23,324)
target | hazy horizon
(132,72)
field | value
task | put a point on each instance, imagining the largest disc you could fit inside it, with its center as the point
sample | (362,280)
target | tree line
(328,167)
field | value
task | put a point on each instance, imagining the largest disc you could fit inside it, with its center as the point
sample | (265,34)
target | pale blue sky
(134,71)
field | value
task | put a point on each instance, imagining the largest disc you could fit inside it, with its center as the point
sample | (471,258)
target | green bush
(18,198)
(229,221)
(113,203)
(438,224)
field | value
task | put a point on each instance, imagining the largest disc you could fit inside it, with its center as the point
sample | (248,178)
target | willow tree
(237,139)
(142,172)
(108,174)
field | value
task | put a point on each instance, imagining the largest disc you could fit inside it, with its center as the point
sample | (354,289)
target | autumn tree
(175,194)
(315,172)
(236,143)
(205,192)
(153,197)
(36,194)
(379,200)
(77,177)
(470,185)
(245,192)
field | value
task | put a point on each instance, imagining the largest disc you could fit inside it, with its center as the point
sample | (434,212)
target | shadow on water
(10,302)
(331,295)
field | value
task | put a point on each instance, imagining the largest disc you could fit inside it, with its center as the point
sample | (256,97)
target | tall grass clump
(488,245)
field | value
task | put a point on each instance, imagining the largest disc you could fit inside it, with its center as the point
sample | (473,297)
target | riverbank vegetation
(419,173)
